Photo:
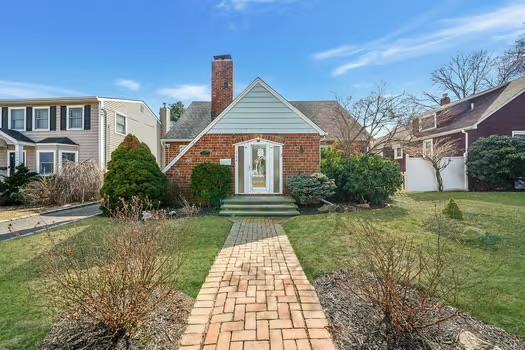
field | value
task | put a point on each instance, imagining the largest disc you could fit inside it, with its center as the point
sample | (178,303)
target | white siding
(259,111)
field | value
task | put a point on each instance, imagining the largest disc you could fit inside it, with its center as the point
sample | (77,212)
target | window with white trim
(121,124)
(428,148)
(17,118)
(41,118)
(46,163)
(398,152)
(518,133)
(75,118)
(68,157)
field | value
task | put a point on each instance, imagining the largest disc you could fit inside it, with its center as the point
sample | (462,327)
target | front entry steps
(258,206)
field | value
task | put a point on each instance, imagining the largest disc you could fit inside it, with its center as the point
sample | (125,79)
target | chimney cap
(222,57)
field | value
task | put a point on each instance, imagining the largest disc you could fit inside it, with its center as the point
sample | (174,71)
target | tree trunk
(439,180)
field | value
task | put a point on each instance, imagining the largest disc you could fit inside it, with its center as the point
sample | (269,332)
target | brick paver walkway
(256,296)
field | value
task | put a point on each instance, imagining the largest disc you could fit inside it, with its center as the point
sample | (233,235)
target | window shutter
(29,118)
(87,117)
(4,118)
(63,116)
(53,118)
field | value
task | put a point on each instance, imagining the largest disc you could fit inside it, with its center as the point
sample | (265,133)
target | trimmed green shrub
(362,177)
(452,210)
(210,183)
(310,189)
(133,172)
(497,161)
(11,185)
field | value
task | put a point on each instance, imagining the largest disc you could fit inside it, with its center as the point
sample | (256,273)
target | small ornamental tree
(133,172)
(452,210)
(497,161)
(10,186)
(210,183)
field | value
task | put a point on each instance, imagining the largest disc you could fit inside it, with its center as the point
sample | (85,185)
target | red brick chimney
(221,84)
(445,100)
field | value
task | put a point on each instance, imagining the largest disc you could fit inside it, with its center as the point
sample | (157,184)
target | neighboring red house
(263,137)
(497,111)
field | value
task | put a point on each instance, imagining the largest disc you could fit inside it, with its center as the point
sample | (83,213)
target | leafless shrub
(79,182)
(75,182)
(188,209)
(410,283)
(41,192)
(121,277)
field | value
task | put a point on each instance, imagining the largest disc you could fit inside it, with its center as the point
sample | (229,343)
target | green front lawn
(24,320)
(496,265)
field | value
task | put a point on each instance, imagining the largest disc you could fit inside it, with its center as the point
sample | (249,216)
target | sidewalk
(39,223)
(256,296)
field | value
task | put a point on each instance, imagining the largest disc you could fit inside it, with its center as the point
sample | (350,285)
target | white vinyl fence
(420,175)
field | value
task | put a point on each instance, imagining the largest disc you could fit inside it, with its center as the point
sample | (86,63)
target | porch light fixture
(258,138)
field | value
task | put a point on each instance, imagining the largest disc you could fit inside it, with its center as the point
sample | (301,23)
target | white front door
(259,167)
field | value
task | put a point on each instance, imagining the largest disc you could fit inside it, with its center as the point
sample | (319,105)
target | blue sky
(160,51)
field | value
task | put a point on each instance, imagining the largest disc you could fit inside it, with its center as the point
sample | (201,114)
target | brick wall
(172,151)
(300,155)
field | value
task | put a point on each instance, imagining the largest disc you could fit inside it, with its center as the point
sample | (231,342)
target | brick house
(263,137)
(497,111)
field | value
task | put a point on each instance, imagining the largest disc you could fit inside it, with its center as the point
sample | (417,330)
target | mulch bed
(162,330)
(357,325)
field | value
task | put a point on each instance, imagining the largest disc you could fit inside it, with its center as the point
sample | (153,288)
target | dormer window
(427,123)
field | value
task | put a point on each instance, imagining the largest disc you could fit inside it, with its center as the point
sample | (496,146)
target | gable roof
(257,81)
(198,115)
(486,103)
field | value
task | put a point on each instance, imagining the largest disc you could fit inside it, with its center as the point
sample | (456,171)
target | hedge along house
(263,137)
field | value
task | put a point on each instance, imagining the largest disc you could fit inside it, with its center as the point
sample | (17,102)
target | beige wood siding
(87,140)
(140,122)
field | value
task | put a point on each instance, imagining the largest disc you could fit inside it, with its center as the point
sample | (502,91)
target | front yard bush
(74,183)
(310,189)
(452,210)
(11,186)
(362,177)
(497,161)
(133,172)
(210,183)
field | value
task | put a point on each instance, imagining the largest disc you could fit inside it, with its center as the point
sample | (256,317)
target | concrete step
(258,213)
(262,207)
(258,200)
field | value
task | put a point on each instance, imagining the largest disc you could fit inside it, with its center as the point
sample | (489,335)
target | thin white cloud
(504,21)
(241,5)
(128,84)
(186,92)
(16,89)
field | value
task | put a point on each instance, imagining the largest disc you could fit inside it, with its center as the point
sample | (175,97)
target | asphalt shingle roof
(62,140)
(17,135)
(461,115)
(325,114)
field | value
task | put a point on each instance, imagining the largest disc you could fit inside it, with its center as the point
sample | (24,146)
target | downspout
(465,158)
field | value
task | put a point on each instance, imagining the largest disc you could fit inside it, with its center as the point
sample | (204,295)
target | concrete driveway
(39,223)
